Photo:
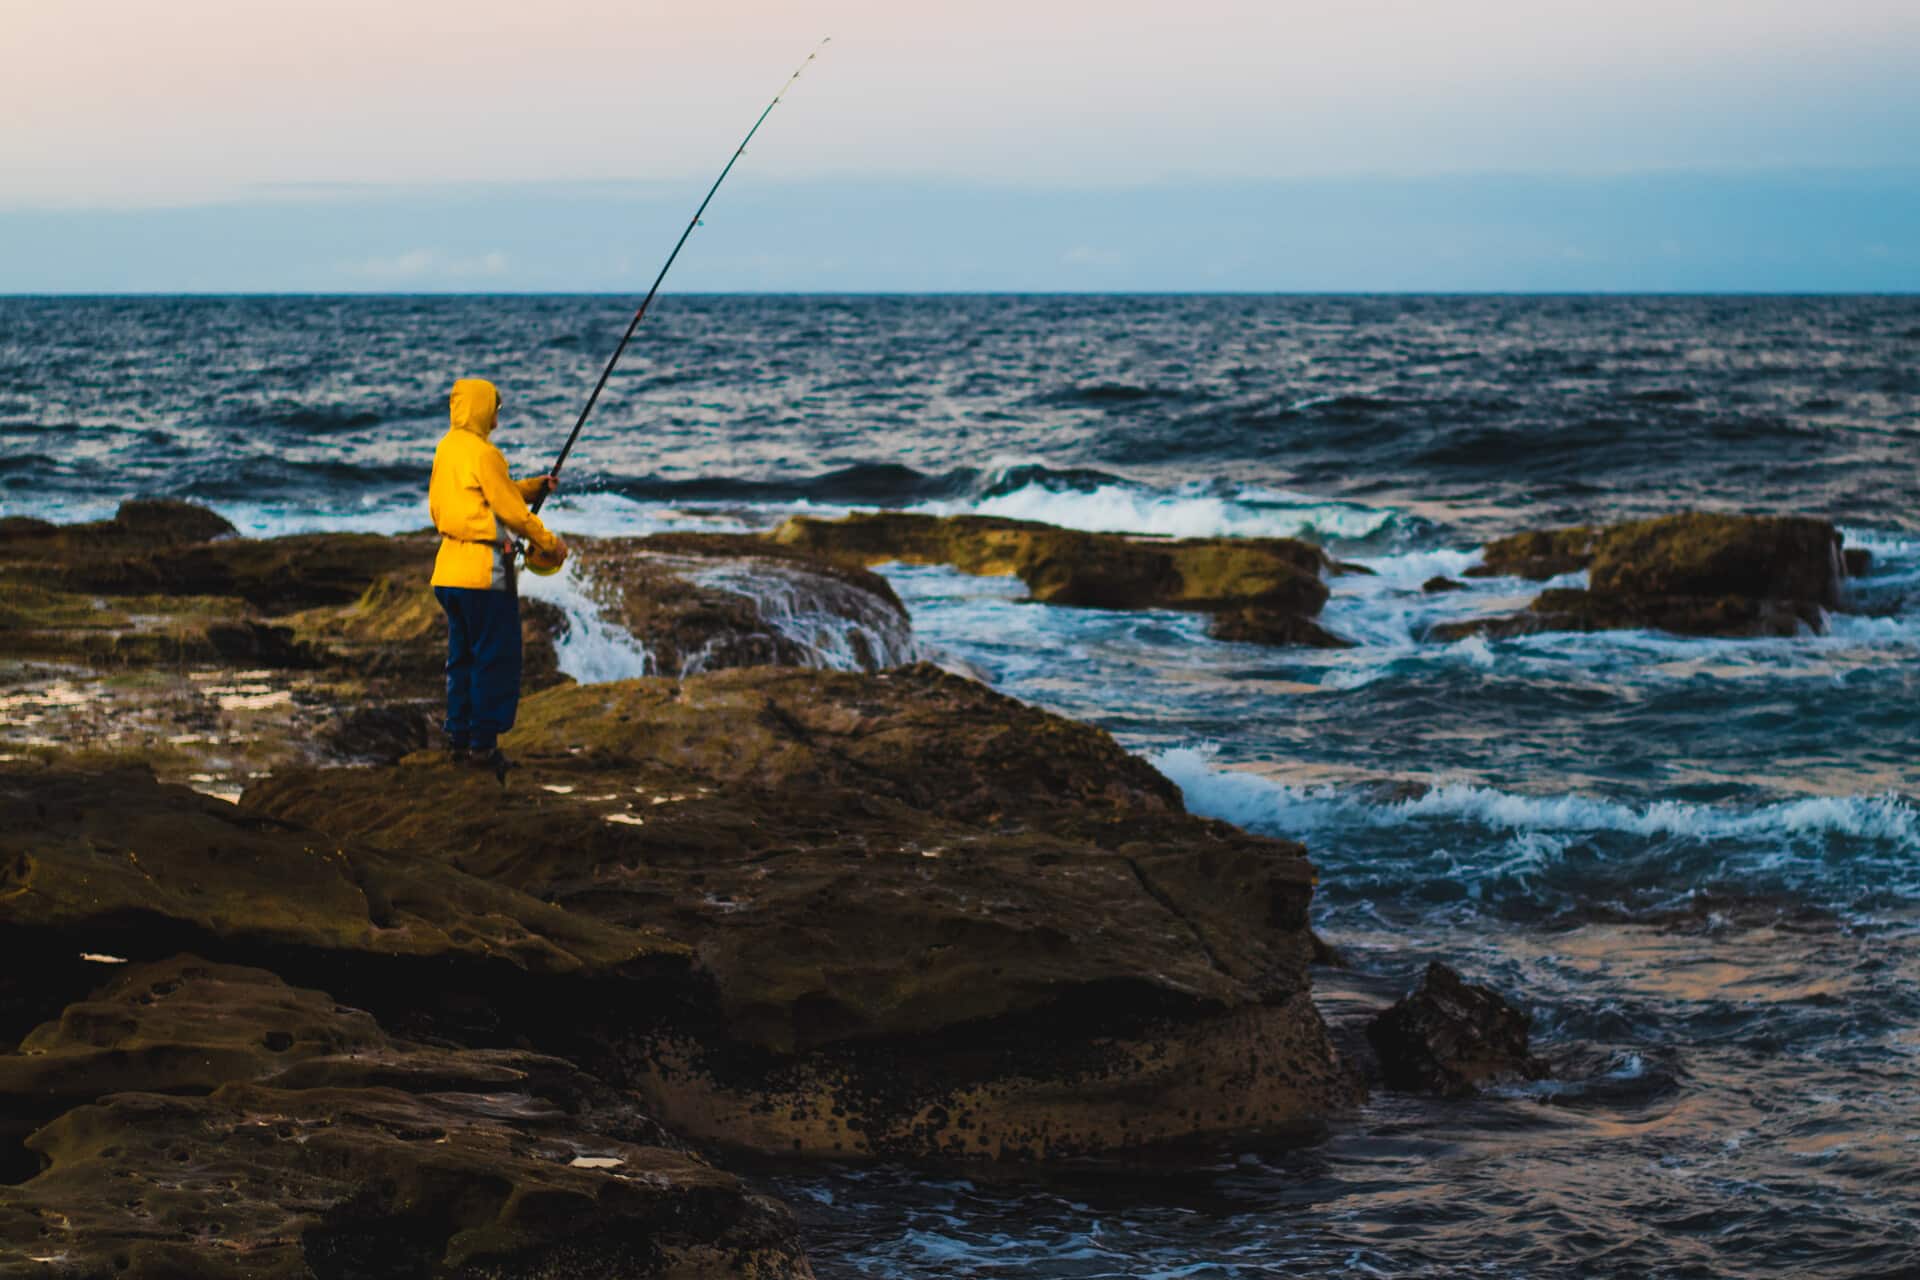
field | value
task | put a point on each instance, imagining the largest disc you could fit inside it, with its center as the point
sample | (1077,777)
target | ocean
(1696,863)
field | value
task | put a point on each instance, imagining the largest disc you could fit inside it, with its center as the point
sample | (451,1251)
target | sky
(1047,144)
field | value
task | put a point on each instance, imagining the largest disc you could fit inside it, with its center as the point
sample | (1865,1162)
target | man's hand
(545,486)
(545,562)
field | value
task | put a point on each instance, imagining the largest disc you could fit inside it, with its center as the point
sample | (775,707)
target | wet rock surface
(1691,574)
(113,861)
(371,1020)
(800,899)
(1762,557)
(162,637)
(1251,583)
(922,907)
(170,583)
(1537,555)
(706,602)
(1450,1037)
(214,1121)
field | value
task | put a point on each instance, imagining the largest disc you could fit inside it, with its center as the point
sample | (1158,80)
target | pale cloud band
(1793,232)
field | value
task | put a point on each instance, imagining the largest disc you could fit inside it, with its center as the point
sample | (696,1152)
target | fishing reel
(540,563)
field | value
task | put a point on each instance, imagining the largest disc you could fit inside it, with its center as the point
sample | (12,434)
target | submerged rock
(1538,554)
(1692,574)
(1268,626)
(1449,1037)
(1574,610)
(1238,578)
(935,920)
(218,1122)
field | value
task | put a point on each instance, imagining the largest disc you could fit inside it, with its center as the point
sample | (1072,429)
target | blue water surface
(1695,862)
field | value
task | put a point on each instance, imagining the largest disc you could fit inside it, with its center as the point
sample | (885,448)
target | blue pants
(483,664)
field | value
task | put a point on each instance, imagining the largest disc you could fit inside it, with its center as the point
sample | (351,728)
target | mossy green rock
(1537,554)
(396,628)
(1697,573)
(1789,558)
(1091,570)
(171,584)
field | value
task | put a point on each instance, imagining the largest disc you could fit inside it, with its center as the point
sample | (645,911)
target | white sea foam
(1265,804)
(1185,513)
(1408,571)
(838,626)
(1902,631)
(1388,616)
(594,650)
(1882,543)
(1387,613)
(592,514)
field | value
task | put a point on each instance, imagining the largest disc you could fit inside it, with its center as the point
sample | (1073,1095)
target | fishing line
(572,436)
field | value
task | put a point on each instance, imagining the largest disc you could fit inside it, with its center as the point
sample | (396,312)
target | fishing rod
(553,472)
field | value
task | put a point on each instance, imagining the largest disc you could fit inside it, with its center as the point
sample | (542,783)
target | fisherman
(478,510)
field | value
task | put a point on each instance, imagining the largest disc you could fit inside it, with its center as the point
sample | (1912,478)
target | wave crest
(1185,513)
(1264,804)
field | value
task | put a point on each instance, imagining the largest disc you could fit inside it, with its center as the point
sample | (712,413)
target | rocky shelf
(794,891)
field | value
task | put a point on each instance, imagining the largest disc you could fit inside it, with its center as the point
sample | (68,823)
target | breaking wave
(837,626)
(593,649)
(1456,852)
(1188,512)
(1264,804)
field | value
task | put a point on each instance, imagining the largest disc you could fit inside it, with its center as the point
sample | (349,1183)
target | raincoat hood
(474,406)
(475,502)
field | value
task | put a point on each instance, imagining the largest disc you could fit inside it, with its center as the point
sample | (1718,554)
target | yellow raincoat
(471,497)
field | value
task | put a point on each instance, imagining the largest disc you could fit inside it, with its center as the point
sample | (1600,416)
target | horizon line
(337,294)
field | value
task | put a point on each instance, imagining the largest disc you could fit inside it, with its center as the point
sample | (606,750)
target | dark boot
(496,760)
